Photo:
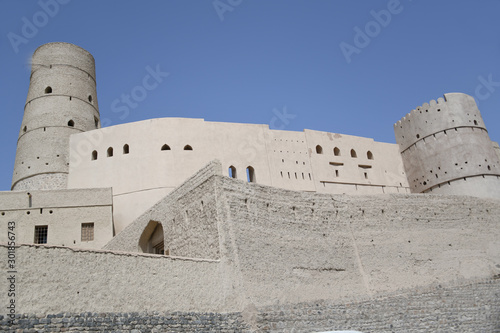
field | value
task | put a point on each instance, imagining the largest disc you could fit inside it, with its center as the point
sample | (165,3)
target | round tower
(446,149)
(62,100)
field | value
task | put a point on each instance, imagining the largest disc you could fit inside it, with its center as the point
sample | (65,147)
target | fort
(179,224)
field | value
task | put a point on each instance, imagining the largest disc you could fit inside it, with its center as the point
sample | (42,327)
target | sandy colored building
(244,227)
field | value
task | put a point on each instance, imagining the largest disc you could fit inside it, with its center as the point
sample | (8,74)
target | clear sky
(342,66)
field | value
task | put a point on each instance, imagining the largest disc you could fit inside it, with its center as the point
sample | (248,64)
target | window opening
(232,172)
(87,232)
(41,232)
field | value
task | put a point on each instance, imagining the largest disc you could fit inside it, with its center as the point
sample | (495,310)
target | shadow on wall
(152,239)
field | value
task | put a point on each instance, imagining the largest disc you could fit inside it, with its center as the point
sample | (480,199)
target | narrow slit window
(94,155)
(110,152)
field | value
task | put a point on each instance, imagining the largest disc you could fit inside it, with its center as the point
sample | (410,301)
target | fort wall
(149,160)
(278,250)
(466,307)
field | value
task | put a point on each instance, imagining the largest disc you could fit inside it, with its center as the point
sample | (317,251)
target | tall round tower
(62,100)
(446,149)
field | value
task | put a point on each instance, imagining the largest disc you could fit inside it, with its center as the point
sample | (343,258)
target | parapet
(453,111)
(63,54)
(446,149)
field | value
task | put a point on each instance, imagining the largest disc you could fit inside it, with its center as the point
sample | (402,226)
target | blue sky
(249,60)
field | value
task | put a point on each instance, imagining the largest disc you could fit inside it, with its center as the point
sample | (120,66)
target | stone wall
(473,307)
(293,247)
(54,279)
(467,307)
(189,218)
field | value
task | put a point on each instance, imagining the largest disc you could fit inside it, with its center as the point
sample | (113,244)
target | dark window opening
(90,98)
(369,155)
(110,152)
(41,232)
(165,147)
(87,232)
(353,153)
(125,149)
(336,151)
(188,147)
(319,149)
(25,129)
(48,90)
(71,123)
(94,155)
(251,175)
(232,172)
(96,122)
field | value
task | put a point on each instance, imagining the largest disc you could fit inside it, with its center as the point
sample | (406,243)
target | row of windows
(41,233)
(250,172)
(296,176)
(126,150)
(48,90)
(336,152)
(71,123)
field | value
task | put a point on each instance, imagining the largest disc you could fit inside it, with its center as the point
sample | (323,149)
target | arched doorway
(152,239)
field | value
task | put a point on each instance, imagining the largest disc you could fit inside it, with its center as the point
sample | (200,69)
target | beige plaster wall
(282,159)
(62,211)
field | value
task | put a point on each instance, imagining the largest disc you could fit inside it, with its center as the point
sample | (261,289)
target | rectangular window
(41,234)
(87,232)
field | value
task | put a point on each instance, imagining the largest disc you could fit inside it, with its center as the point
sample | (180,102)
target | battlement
(453,111)
(446,141)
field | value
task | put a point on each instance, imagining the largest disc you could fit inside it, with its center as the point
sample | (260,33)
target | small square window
(41,234)
(87,232)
